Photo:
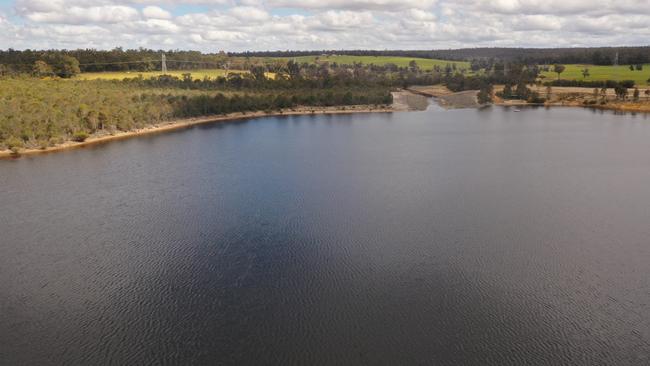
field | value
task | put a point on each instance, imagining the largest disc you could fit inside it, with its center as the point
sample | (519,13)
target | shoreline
(189,122)
(467,99)
(404,100)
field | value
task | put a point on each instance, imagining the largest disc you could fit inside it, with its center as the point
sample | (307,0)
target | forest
(118,59)
(592,55)
(42,112)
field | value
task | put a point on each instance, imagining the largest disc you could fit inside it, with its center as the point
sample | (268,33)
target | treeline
(592,83)
(118,59)
(205,104)
(300,76)
(593,55)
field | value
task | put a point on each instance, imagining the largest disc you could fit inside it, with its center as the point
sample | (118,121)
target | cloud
(354,4)
(210,25)
(80,15)
(155,12)
(249,13)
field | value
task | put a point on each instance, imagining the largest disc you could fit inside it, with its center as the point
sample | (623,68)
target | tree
(413,66)
(621,92)
(549,92)
(258,72)
(558,69)
(41,68)
(65,66)
(507,91)
(647,93)
(631,67)
(585,73)
(522,90)
(448,70)
(603,94)
(293,68)
(639,67)
(636,94)
(484,96)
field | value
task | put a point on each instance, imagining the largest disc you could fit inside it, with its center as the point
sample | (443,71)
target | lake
(461,237)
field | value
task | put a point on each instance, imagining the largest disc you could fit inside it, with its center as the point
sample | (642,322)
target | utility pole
(164,64)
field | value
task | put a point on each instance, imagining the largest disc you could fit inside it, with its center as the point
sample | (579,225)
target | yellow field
(196,74)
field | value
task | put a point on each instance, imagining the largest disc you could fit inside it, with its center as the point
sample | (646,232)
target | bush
(79,136)
(14,144)
(536,99)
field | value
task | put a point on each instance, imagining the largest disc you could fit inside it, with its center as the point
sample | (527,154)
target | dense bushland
(40,113)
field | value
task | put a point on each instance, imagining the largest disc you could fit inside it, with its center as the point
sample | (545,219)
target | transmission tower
(164,64)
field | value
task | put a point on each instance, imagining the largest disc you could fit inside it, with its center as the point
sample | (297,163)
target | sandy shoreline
(404,100)
(184,123)
(561,97)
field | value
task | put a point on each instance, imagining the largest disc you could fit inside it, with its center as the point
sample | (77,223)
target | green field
(574,72)
(423,63)
(196,74)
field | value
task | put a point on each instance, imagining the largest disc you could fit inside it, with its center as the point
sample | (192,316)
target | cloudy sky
(235,25)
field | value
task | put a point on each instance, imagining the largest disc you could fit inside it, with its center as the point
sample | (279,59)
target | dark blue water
(443,237)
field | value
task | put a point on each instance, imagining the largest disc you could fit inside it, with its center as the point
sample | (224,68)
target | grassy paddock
(574,72)
(423,63)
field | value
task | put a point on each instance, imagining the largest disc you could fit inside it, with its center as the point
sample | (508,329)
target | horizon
(326,51)
(256,25)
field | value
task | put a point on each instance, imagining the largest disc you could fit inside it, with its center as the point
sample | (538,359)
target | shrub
(536,99)
(79,136)
(14,144)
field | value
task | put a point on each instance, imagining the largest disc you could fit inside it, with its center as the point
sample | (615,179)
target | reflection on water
(441,237)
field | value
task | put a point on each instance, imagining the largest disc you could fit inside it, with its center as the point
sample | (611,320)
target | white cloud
(79,15)
(354,4)
(316,24)
(155,12)
(249,13)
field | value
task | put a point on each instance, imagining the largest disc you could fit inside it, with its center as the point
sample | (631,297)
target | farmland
(119,75)
(598,73)
(423,63)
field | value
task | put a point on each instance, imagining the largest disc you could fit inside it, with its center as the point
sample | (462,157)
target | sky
(239,25)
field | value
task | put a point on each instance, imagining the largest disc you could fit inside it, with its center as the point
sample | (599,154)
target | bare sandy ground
(448,99)
(184,123)
(560,96)
(405,100)
(575,96)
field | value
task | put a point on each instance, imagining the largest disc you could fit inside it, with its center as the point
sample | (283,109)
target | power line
(130,62)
